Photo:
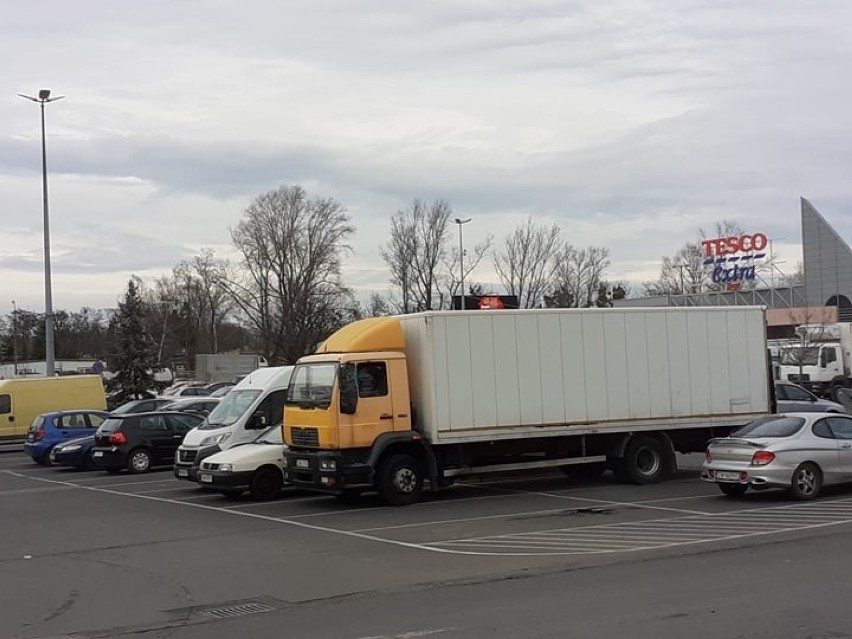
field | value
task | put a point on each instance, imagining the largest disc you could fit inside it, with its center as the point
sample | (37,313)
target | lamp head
(44,94)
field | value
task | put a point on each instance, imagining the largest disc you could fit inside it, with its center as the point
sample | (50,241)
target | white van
(253,405)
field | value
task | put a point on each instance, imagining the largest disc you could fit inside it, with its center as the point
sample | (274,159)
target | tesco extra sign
(732,259)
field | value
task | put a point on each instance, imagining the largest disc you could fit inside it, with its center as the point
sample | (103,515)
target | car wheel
(46,460)
(400,480)
(139,461)
(733,490)
(266,483)
(806,482)
(645,461)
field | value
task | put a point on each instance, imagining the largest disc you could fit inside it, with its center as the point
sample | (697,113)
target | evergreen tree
(134,356)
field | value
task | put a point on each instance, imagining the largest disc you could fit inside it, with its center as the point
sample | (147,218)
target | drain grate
(238,610)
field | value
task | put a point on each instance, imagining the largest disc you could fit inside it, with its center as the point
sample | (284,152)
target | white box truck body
(478,391)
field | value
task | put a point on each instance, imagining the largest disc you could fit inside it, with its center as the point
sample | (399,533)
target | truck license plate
(183,472)
(727,475)
(207,479)
(302,463)
(98,453)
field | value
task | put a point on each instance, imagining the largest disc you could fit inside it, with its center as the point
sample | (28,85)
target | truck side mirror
(348,389)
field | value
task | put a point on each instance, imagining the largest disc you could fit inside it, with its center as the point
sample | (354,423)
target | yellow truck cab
(388,403)
(23,399)
(348,404)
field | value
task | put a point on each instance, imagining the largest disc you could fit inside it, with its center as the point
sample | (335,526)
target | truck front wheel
(400,480)
(645,461)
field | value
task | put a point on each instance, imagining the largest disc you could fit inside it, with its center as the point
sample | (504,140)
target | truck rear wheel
(645,461)
(400,480)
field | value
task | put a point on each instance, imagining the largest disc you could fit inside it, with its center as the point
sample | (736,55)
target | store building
(823,297)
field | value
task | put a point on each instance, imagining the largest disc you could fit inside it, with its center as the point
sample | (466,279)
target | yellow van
(23,399)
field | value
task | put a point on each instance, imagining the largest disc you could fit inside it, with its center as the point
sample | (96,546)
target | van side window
(5,404)
(372,379)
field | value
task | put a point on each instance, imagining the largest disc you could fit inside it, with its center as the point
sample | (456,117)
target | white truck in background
(391,403)
(819,358)
(226,367)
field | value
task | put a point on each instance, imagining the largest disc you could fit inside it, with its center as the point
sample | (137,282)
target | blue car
(50,429)
(76,452)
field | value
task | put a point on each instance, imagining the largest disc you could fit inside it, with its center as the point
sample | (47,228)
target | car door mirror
(348,389)
(257,421)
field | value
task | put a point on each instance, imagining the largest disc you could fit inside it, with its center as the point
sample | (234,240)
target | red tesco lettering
(729,245)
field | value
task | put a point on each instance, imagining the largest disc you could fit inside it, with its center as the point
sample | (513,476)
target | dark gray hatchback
(140,441)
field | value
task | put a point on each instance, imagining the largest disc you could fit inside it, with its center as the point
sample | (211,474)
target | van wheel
(645,461)
(266,483)
(400,480)
(139,461)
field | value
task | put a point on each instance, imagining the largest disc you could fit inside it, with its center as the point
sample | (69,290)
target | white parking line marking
(608,502)
(571,541)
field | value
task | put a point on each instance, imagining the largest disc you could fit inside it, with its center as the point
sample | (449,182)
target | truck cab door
(374,413)
(830,362)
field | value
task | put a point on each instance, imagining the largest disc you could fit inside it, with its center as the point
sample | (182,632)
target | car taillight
(707,456)
(117,439)
(762,457)
(39,434)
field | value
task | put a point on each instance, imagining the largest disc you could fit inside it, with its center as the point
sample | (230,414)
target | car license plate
(98,453)
(207,479)
(727,475)
(183,472)
(302,463)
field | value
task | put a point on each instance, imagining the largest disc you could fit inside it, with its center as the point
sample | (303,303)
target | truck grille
(304,436)
(187,455)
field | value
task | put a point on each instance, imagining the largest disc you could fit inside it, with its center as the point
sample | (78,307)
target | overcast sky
(631,123)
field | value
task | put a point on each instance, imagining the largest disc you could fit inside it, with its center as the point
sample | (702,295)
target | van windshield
(233,406)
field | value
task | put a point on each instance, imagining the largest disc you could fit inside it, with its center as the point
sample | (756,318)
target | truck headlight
(226,468)
(328,464)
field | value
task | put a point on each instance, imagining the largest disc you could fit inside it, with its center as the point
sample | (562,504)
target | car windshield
(271,435)
(311,384)
(233,406)
(111,425)
(770,427)
(800,356)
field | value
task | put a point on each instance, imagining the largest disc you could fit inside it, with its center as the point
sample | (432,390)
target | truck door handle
(385,416)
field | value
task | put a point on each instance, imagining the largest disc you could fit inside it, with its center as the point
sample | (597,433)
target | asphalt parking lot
(81,545)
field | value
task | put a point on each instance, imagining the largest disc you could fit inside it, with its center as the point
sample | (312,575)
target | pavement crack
(64,607)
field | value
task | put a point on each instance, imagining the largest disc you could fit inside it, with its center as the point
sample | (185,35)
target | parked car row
(235,444)
(231,445)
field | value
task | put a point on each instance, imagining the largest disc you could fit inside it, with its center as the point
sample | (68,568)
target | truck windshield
(233,406)
(311,385)
(800,356)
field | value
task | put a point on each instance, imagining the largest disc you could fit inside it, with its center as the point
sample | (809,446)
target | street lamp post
(50,363)
(461,222)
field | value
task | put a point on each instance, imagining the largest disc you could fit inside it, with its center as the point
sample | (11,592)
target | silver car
(800,452)
(793,398)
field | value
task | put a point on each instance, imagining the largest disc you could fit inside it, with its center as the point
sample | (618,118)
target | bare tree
(682,274)
(472,260)
(526,263)
(212,276)
(579,277)
(416,251)
(289,287)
